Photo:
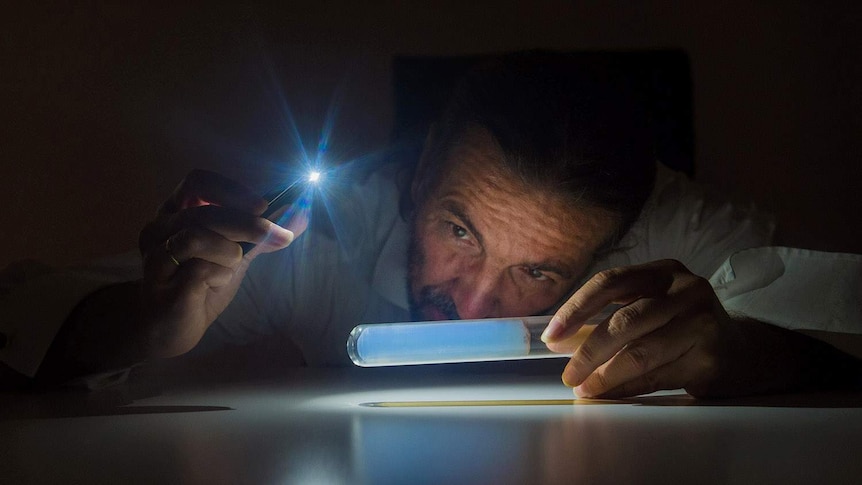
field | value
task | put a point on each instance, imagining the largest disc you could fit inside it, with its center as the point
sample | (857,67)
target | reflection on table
(456,424)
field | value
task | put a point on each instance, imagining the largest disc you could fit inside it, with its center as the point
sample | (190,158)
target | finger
(232,225)
(619,285)
(201,243)
(202,187)
(191,243)
(295,221)
(571,343)
(299,222)
(198,275)
(665,377)
(160,263)
(626,325)
(640,358)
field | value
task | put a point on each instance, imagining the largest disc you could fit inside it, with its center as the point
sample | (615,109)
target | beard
(426,298)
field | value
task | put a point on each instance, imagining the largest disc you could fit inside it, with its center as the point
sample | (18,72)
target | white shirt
(315,291)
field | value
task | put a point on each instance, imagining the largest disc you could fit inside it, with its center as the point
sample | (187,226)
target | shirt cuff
(793,288)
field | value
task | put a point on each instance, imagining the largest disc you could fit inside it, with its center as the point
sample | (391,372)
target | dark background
(105,108)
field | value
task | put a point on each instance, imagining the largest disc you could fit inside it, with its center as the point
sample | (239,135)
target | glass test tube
(389,344)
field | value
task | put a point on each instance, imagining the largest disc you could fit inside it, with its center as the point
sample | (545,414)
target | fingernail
(569,376)
(280,236)
(581,392)
(553,330)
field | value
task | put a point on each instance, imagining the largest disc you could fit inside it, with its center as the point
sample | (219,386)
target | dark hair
(581,134)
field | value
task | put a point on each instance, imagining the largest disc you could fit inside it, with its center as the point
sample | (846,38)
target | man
(530,198)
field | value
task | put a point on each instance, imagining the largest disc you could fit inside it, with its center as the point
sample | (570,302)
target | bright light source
(313,176)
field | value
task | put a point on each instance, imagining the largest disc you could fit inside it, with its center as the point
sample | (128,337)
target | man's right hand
(192,259)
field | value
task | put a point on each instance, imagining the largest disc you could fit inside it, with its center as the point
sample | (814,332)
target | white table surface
(314,426)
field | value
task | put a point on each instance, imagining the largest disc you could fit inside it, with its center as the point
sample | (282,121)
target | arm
(849,343)
(805,291)
(103,332)
(192,267)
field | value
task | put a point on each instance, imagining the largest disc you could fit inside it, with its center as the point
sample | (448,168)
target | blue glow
(429,342)
(327,205)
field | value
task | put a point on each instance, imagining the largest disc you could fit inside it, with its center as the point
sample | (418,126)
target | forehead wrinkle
(492,196)
(476,164)
(506,198)
(487,214)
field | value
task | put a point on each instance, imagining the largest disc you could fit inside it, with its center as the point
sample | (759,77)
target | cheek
(550,298)
(440,262)
(529,301)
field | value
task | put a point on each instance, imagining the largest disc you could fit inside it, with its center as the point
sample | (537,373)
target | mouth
(432,313)
(433,305)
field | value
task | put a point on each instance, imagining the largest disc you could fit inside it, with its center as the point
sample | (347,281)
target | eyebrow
(553,266)
(458,211)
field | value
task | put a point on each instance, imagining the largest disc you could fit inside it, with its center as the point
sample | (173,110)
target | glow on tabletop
(339,426)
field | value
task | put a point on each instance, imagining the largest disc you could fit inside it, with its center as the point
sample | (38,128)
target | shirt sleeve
(797,289)
(684,221)
(35,301)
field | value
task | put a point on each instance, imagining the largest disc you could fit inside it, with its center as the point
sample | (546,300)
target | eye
(459,232)
(536,274)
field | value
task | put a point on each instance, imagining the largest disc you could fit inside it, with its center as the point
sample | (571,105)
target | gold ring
(168,251)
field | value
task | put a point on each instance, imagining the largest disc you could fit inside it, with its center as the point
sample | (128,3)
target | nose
(476,294)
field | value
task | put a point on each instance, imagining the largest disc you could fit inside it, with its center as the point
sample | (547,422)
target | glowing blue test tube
(387,344)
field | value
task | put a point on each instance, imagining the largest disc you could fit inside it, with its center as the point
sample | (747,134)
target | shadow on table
(71,403)
(149,381)
(798,400)
(21,399)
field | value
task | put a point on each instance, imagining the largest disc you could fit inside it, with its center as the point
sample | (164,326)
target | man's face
(487,245)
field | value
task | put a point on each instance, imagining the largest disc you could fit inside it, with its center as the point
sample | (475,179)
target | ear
(421,180)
